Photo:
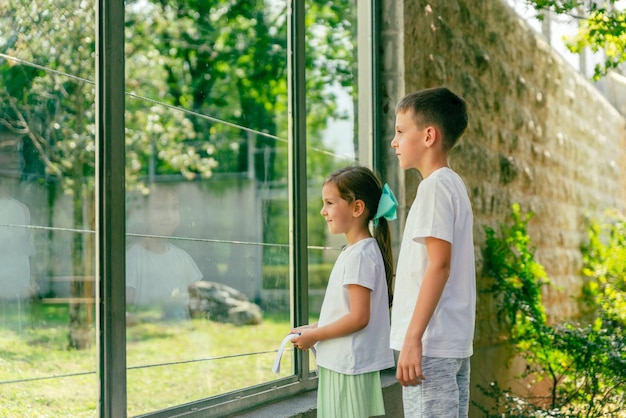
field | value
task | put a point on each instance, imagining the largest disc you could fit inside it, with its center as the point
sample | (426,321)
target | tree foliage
(225,61)
(602,28)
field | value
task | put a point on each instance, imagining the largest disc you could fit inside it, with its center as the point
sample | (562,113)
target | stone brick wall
(540,135)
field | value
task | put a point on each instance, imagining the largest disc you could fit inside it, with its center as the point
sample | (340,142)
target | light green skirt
(349,396)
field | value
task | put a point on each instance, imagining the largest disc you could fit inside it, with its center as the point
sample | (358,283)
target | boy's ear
(358,208)
(431,135)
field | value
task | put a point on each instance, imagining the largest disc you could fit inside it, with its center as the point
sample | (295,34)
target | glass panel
(331,126)
(47,339)
(207,255)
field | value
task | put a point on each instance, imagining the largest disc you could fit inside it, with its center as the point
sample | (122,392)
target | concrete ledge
(304,405)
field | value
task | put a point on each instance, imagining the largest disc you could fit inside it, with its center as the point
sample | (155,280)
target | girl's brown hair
(360,183)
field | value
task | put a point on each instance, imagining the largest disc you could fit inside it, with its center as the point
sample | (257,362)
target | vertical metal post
(372,145)
(365,68)
(379,144)
(297,170)
(110,209)
(368,46)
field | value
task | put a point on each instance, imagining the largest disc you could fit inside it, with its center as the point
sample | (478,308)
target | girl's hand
(299,329)
(305,340)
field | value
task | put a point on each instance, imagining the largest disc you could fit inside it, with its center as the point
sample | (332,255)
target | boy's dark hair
(437,106)
(360,183)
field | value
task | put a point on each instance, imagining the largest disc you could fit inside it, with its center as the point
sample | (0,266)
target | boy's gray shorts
(444,393)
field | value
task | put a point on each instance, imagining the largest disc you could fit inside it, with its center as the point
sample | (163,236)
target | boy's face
(162,214)
(409,141)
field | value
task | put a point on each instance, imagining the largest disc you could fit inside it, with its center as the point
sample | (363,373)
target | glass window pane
(332,137)
(207,251)
(47,343)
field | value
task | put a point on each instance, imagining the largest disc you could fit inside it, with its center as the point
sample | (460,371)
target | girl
(352,334)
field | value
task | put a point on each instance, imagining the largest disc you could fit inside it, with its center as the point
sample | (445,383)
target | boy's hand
(409,369)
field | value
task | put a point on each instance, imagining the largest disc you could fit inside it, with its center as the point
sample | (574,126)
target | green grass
(168,363)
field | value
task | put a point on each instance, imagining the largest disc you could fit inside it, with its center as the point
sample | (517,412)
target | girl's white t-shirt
(366,350)
(442,210)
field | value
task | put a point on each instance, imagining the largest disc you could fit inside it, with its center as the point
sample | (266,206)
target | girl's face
(337,211)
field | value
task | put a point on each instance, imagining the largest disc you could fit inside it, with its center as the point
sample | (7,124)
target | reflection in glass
(158,273)
(211,124)
(47,119)
(332,144)
(206,117)
(16,248)
(229,342)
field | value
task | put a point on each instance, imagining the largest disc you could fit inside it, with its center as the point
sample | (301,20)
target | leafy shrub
(585,360)
(277,277)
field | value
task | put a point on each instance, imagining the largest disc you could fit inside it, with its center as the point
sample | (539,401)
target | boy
(432,318)
(157,271)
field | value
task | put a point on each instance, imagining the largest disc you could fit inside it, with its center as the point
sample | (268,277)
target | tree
(602,28)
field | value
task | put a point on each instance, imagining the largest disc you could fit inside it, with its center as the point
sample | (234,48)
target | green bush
(277,277)
(585,360)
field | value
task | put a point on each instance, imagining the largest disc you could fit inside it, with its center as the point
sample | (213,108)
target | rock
(221,303)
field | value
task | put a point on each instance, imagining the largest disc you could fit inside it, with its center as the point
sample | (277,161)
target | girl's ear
(358,208)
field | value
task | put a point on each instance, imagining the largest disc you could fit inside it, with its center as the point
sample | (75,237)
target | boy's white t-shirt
(366,350)
(160,277)
(442,210)
(15,249)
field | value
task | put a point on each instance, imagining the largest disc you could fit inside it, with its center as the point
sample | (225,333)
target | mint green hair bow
(386,205)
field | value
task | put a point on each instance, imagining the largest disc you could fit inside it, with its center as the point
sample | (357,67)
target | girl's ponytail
(386,211)
(360,183)
(383,237)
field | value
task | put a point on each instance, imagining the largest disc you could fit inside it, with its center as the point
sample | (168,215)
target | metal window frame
(110,206)
(110,209)
(369,85)
(298,251)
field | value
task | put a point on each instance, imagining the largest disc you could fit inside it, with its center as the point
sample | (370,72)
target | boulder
(221,303)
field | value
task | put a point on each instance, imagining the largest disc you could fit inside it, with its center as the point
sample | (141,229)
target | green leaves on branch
(584,361)
(602,31)
(517,277)
(604,257)
(602,28)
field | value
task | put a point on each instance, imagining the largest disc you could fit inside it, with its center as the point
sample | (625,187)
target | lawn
(169,363)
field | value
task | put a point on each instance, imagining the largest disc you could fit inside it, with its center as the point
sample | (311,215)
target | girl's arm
(353,321)
(409,369)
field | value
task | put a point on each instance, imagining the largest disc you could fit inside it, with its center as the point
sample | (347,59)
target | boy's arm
(353,321)
(409,368)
